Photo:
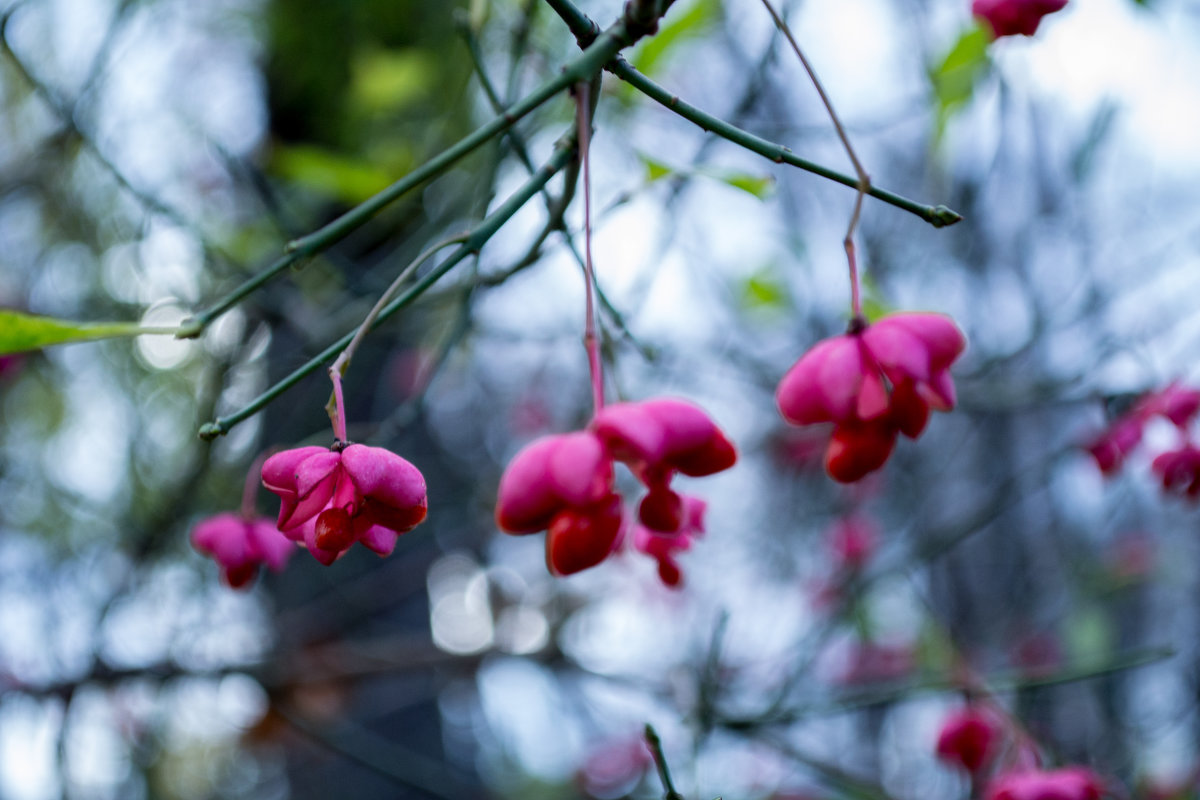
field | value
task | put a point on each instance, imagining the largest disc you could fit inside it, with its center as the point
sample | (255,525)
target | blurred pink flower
(852,540)
(350,493)
(970,738)
(612,769)
(240,545)
(1010,17)
(1112,446)
(1069,783)
(1179,471)
(872,383)
(563,484)
(1177,403)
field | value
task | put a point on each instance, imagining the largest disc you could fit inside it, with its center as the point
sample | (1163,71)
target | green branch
(585,31)
(475,239)
(621,34)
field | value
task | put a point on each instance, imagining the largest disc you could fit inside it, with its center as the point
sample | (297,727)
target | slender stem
(583,124)
(864,180)
(556,218)
(336,370)
(587,64)
(585,31)
(478,236)
(660,761)
(195,325)
(620,34)
(338,417)
(250,488)
(343,360)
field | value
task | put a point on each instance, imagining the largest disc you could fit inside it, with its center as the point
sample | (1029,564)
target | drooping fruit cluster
(970,738)
(563,484)
(1178,469)
(332,498)
(1068,783)
(872,383)
(240,545)
(973,738)
(1011,17)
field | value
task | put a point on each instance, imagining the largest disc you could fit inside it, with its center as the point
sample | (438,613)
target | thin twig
(864,180)
(478,236)
(660,761)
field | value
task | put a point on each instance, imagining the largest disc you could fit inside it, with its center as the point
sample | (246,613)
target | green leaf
(954,79)
(387,80)
(21,332)
(345,178)
(761,186)
(764,290)
(692,23)
(654,169)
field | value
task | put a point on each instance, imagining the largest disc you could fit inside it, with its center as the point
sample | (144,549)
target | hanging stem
(590,340)
(250,488)
(864,180)
(338,368)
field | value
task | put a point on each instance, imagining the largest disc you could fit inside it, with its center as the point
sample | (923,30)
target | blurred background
(155,153)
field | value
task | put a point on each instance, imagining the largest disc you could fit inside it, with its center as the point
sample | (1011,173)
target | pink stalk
(590,340)
(250,489)
(339,407)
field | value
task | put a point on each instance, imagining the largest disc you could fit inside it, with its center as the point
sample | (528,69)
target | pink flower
(1069,783)
(970,738)
(350,493)
(852,541)
(1111,447)
(563,484)
(240,544)
(664,547)
(612,769)
(658,438)
(1179,471)
(872,383)
(1010,17)
(1177,403)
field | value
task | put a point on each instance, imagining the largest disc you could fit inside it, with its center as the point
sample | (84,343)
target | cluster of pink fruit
(1179,468)
(871,384)
(563,484)
(974,739)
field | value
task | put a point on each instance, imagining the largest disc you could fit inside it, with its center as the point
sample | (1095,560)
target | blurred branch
(474,240)
(556,221)
(660,761)
(406,767)
(1005,682)
(585,30)
(621,34)
(64,110)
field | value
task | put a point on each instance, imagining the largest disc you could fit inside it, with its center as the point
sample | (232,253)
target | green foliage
(681,26)
(954,79)
(760,186)
(764,290)
(339,176)
(389,80)
(21,332)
